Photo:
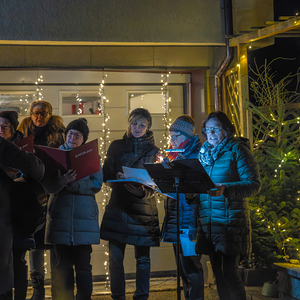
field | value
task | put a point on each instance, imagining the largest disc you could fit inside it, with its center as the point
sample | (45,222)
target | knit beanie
(81,126)
(141,112)
(185,125)
(12,116)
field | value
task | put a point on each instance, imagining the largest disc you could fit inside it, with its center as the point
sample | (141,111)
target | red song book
(26,144)
(83,159)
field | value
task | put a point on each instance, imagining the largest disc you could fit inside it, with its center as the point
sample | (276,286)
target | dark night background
(283,47)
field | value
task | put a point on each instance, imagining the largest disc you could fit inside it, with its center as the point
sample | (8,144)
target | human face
(139,128)
(74,138)
(40,116)
(214,132)
(176,139)
(5,128)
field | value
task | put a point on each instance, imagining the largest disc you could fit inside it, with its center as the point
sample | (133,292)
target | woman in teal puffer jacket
(223,214)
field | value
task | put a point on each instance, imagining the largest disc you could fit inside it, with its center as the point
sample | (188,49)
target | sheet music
(188,247)
(140,174)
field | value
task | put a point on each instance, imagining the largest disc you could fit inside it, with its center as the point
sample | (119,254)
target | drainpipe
(229,53)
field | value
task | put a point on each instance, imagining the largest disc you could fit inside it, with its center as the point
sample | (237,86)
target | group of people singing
(218,221)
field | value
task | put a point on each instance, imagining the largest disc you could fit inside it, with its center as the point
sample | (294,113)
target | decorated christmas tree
(275,210)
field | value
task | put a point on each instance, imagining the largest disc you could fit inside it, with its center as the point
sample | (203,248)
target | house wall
(112,21)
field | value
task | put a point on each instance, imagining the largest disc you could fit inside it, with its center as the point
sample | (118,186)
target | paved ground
(210,293)
(160,289)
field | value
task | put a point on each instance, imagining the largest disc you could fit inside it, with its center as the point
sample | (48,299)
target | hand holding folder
(83,159)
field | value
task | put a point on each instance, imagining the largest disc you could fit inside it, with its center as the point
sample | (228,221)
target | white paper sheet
(188,247)
(140,174)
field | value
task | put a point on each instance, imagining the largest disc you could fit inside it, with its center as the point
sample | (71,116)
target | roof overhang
(270,31)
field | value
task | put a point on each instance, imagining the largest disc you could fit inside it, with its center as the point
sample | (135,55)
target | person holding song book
(47,130)
(8,130)
(131,216)
(221,223)
(185,144)
(72,225)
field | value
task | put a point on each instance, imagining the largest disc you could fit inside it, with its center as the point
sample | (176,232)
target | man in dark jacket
(184,139)
(32,167)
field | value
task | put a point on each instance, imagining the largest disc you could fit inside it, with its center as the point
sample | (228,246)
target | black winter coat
(28,164)
(127,218)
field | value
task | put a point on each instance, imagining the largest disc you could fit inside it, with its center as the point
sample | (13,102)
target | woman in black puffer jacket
(223,214)
(131,216)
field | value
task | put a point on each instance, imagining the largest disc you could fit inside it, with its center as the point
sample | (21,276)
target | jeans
(63,259)
(20,273)
(191,273)
(229,282)
(117,274)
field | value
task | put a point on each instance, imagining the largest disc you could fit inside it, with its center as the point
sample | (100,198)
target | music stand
(180,176)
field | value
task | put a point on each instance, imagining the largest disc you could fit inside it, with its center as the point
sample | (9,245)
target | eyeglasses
(175,136)
(4,126)
(75,135)
(44,114)
(214,129)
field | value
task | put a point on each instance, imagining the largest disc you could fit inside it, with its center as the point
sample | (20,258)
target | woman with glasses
(72,225)
(223,213)
(48,130)
(183,137)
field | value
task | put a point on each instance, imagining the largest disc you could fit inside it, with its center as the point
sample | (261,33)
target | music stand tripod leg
(177,179)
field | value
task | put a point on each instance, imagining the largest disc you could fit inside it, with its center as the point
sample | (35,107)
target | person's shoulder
(240,141)
(24,123)
(57,121)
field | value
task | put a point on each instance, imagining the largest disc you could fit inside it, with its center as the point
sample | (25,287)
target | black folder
(192,176)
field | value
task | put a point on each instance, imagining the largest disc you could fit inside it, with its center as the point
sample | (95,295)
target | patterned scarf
(208,154)
(174,155)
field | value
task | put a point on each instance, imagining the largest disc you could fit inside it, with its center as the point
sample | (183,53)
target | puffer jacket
(128,218)
(32,167)
(169,229)
(72,217)
(225,220)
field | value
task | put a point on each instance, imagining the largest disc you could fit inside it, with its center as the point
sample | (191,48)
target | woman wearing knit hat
(8,125)
(131,216)
(183,138)
(72,225)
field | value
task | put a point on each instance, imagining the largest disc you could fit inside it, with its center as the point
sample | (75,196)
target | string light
(104,143)
(167,110)
(80,105)
(38,89)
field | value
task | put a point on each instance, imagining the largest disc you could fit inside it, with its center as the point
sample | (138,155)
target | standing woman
(48,130)
(183,137)
(72,225)
(8,130)
(131,216)
(224,217)
(11,156)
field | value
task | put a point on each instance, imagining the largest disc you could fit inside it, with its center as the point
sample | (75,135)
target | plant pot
(270,289)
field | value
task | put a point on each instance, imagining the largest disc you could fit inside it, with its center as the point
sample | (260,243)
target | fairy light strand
(104,143)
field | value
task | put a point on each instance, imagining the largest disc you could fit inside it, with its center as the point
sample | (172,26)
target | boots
(38,286)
